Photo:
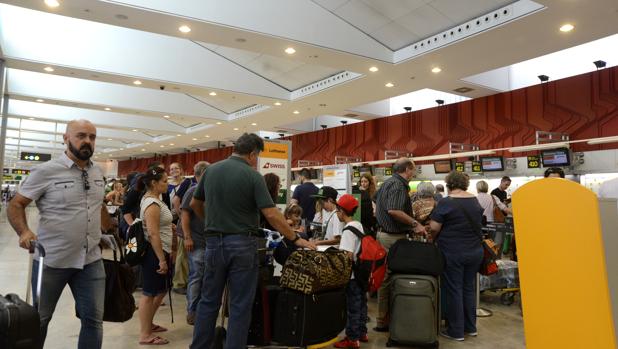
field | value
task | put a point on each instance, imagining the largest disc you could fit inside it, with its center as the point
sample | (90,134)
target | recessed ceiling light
(109,139)
(147,142)
(290,50)
(166,116)
(171,143)
(178,135)
(253,124)
(207,136)
(389,84)
(567,28)
(235,128)
(48,69)
(184,29)
(52,3)
(277,103)
(143,149)
(373,69)
(137,82)
(40,100)
(219,123)
(213,93)
(134,130)
(162,146)
(195,139)
(296,112)
(30,118)
(108,109)
(436,70)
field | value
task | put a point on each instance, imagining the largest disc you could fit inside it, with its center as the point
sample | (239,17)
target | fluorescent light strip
(538,147)
(603,140)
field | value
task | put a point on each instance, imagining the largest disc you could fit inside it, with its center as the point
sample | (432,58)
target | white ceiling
(230,73)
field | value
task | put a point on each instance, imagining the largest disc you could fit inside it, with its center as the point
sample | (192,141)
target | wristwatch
(296,239)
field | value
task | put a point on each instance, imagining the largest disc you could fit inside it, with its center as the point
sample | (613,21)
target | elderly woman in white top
(488,202)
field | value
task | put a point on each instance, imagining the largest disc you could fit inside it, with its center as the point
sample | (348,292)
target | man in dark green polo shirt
(230,196)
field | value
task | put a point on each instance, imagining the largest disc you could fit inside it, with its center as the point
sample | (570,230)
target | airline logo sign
(270,165)
(275,151)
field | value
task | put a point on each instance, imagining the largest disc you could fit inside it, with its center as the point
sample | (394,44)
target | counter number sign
(388,171)
(476,167)
(460,167)
(534,161)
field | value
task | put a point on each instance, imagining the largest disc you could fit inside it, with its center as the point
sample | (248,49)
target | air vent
(350,115)
(463,89)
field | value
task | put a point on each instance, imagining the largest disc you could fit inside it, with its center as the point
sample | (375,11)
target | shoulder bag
(313,271)
(498,214)
(489,265)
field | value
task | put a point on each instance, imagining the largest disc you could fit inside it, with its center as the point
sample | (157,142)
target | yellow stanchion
(562,267)
(323,345)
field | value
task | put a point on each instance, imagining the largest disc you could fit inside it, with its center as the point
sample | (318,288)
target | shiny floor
(504,329)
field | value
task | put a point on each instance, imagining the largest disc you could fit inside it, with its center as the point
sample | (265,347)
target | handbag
(314,271)
(498,214)
(488,265)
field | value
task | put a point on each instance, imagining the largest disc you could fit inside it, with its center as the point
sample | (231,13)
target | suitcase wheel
(507,298)
(219,340)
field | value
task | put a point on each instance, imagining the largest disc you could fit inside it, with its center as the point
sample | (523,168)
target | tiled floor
(502,330)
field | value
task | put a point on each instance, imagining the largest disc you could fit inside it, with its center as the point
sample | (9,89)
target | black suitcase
(306,319)
(20,324)
(415,258)
(262,317)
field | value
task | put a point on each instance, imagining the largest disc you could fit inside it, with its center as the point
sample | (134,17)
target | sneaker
(446,335)
(471,334)
(364,338)
(347,343)
(191,319)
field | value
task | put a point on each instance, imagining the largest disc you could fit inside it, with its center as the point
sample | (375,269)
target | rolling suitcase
(305,319)
(415,309)
(260,329)
(19,321)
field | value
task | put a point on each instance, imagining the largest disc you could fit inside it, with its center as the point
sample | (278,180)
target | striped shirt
(393,195)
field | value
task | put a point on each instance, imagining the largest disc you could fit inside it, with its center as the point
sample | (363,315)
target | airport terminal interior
(503,93)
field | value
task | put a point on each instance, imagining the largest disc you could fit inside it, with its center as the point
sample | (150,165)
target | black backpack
(136,245)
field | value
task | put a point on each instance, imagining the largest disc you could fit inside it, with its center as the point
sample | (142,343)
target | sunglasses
(85,179)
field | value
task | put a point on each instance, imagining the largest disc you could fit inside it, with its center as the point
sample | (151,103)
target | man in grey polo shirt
(231,194)
(68,192)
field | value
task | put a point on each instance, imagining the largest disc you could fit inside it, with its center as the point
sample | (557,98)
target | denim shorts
(154,283)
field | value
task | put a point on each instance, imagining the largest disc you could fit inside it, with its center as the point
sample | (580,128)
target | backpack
(370,266)
(136,245)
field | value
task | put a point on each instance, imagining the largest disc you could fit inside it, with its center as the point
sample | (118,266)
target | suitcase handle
(36,245)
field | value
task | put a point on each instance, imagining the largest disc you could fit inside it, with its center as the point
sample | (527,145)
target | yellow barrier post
(563,273)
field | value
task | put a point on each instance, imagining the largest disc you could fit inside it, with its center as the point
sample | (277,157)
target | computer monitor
(492,163)
(555,157)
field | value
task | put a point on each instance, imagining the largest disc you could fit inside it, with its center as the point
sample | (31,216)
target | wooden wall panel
(583,106)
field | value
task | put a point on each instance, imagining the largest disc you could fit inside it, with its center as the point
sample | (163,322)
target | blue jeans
(196,274)
(357,311)
(88,288)
(459,279)
(231,260)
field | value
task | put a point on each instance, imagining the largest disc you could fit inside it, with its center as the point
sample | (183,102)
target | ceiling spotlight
(195,139)
(253,124)
(296,112)
(162,146)
(436,70)
(137,82)
(166,116)
(30,118)
(235,128)
(40,100)
(408,109)
(599,64)
(207,136)
(543,78)
(178,135)
(184,29)
(323,126)
(134,130)
(108,109)
(567,28)
(171,143)
(213,93)
(389,84)
(440,101)
(343,122)
(52,3)
(219,123)
(373,69)
(143,149)
(277,103)
(109,139)
(48,69)
(290,50)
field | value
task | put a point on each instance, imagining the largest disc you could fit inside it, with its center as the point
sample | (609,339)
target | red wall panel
(583,106)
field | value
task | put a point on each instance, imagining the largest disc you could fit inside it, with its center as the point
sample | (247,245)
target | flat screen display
(494,163)
(555,157)
(443,166)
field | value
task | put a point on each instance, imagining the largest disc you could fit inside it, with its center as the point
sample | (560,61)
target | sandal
(155,341)
(157,328)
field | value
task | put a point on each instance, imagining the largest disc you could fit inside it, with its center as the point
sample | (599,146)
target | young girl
(293,214)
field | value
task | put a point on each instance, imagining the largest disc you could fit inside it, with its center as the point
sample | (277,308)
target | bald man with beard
(68,191)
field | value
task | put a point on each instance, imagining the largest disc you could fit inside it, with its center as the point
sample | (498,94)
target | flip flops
(155,341)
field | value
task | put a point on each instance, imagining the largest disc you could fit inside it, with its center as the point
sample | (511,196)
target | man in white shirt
(328,198)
